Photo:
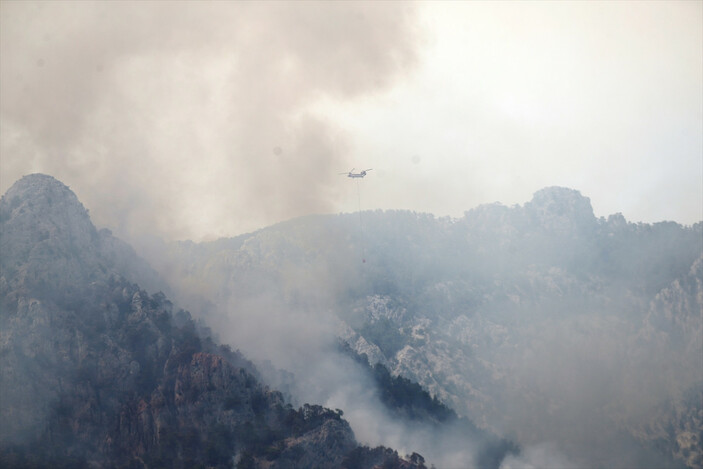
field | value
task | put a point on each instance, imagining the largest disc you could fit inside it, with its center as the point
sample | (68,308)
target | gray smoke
(184,114)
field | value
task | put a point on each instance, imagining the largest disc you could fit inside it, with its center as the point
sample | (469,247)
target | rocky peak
(42,206)
(561,210)
(39,218)
(46,236)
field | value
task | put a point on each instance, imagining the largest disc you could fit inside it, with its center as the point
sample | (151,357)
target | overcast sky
(199,120)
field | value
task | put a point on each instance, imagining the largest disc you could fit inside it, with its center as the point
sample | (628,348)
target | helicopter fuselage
(352,174)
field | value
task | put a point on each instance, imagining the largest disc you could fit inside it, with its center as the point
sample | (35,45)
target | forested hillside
(541,322)
(96,372)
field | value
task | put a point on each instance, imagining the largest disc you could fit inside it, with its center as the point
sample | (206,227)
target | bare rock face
(675,317)
(25,400)
(561,210)
(49,243)
(324,446)
(673,328)
(46,234)
(40,208)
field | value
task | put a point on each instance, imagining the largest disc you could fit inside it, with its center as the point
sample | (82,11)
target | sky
(196,120)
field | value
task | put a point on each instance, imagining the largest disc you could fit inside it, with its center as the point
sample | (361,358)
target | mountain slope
(96,372)
(537,321)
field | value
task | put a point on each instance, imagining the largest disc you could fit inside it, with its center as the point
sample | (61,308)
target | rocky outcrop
(324,446)
(559,210)
(49,243)
(673,332)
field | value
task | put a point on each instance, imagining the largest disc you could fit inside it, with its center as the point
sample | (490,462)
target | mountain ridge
(541,322)
(96,372)
(492,309)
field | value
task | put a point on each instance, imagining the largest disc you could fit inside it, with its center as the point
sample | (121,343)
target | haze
(199,120)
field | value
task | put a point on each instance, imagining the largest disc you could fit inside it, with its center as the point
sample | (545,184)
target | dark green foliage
(138,340)
(188,343)
(219,446)
(20,457)
(381,457)
(385,334)
(260,439)
(190,441)
(274,450)
(417,459)
(306,418)
(403,397)
(259,403)
(246,461)
(408,398)
(231,402)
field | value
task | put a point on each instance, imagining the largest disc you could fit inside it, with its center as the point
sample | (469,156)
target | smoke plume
(192,118)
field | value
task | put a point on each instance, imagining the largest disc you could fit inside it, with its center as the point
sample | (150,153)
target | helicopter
(352,174)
